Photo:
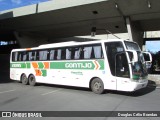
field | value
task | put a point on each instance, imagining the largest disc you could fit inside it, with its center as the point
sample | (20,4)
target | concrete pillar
(27,40)
(134,31)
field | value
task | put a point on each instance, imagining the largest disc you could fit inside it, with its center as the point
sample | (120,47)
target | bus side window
(68,53)
(40,55)
(87,52)
(44,55)
(98,51)
(24,58)
(78,53)
(14,56)
(19,56)
(52,52)
(30,56)
(59,52)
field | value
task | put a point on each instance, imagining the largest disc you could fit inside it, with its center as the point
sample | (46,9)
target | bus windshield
(132,46)
(139,69)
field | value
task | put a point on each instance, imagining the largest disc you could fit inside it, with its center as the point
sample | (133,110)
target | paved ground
(17,97)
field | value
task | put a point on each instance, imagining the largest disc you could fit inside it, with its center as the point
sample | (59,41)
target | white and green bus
(99,65)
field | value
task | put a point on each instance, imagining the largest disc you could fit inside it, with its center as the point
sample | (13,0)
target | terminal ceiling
(78,19)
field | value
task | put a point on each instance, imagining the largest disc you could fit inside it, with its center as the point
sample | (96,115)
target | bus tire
(32,80)
(97,86)
(24,79)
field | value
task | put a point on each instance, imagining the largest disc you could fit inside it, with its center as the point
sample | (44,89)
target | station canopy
(66,18)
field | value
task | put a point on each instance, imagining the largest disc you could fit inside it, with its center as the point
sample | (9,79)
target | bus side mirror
(147,57)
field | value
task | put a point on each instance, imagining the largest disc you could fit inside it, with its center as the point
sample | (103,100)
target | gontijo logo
(78,65)
(83,65)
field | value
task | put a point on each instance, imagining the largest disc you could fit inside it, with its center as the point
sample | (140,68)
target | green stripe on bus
(20,65)
(85,65)
(28,65)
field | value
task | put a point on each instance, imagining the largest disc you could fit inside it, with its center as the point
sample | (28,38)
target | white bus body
(99,65)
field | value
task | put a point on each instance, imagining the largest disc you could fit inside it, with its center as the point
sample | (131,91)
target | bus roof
(70,43)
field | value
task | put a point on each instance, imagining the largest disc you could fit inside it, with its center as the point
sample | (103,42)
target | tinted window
(112,48)
(65,53)
(43,55)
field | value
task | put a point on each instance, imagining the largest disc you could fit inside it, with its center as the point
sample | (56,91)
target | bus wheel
(97,86)
(24,79)
(32,80)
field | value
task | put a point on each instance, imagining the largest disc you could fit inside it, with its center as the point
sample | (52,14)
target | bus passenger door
(112,50)
(122,71)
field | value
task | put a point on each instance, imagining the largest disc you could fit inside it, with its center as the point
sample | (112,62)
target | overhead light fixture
(93,31)
(95,12)
(117,26)
(116,5)
(149,4)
